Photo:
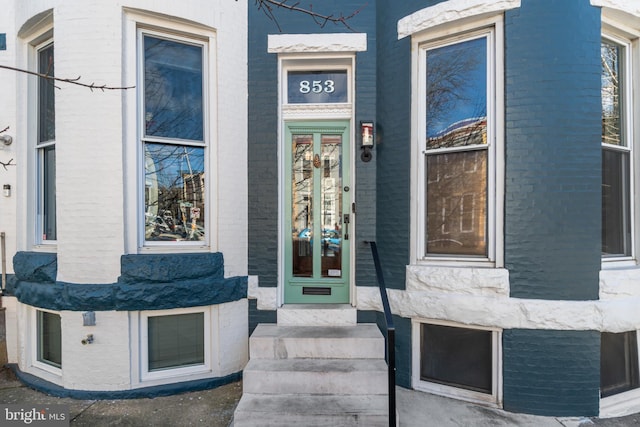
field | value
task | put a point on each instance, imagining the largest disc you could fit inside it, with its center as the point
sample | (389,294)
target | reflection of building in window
(457,193)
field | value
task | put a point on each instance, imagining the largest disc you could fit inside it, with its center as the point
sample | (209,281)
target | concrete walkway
(215,408)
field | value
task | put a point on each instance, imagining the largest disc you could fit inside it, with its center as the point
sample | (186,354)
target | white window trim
(451,11)
(136,23)
(630,39)
(493,28)
(624,403)
(172,373)
(35,362)
(494,399)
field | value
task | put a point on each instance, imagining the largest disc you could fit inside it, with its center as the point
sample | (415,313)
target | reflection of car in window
(330,238)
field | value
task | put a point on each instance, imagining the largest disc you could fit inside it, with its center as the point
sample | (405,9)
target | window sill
(45,247)
(174,249)
(620,404)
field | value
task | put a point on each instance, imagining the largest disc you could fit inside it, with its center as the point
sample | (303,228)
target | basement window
(618,363)
(455,361)
(49,333)
(175,342)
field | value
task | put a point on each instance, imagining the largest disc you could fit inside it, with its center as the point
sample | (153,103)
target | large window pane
(616,221)
(48,168)
(611,55)
(457,357)
(174,192)
(618,363)
(457,203)
(46,96)
(457,94)
(176,341)
(49,338)
(173,89)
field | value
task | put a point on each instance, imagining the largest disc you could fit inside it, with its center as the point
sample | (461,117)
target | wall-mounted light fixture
(366,140)
(6,190)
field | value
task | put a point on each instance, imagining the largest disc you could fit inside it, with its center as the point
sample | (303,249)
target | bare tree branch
(75,81)
(4,130)
(268,7)
(4,165)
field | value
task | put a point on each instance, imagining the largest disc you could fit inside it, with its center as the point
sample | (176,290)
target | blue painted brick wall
(553,160)
(553,373)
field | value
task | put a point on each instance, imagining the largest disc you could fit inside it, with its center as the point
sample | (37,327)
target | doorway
(317,212)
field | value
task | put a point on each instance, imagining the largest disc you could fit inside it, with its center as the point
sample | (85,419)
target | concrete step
(315,376)
(270,341)
(317,315)
(311,410)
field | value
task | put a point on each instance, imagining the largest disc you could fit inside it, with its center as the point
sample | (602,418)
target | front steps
(314,376)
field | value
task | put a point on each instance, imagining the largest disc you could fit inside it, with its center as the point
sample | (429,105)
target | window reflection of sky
(456,85)
(173,89)
(168,164)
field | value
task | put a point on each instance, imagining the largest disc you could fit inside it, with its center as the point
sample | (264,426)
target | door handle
(346,220)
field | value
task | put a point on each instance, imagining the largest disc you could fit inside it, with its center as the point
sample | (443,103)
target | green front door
(317,212)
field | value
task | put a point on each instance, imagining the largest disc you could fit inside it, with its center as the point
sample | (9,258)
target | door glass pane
(457,203)
(616,223)
(174,192)
(302,205)
(331,193)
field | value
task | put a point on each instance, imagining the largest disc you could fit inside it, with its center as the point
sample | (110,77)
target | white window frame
(35,360)
(623,403)
(492,29)
(172,373)
(494,399)
(137,23)
(36,42)
(630,132)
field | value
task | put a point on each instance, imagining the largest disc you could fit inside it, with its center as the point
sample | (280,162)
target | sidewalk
(215,408)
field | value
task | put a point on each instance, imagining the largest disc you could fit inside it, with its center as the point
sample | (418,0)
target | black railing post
(391,335)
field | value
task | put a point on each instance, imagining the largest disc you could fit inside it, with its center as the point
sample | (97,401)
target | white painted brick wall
(8,118)
(91,136)
(103,364)
(233,327)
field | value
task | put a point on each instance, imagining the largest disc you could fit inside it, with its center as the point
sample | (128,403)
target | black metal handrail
(391,335)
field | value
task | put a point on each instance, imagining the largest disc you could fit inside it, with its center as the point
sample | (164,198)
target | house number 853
(317,86)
